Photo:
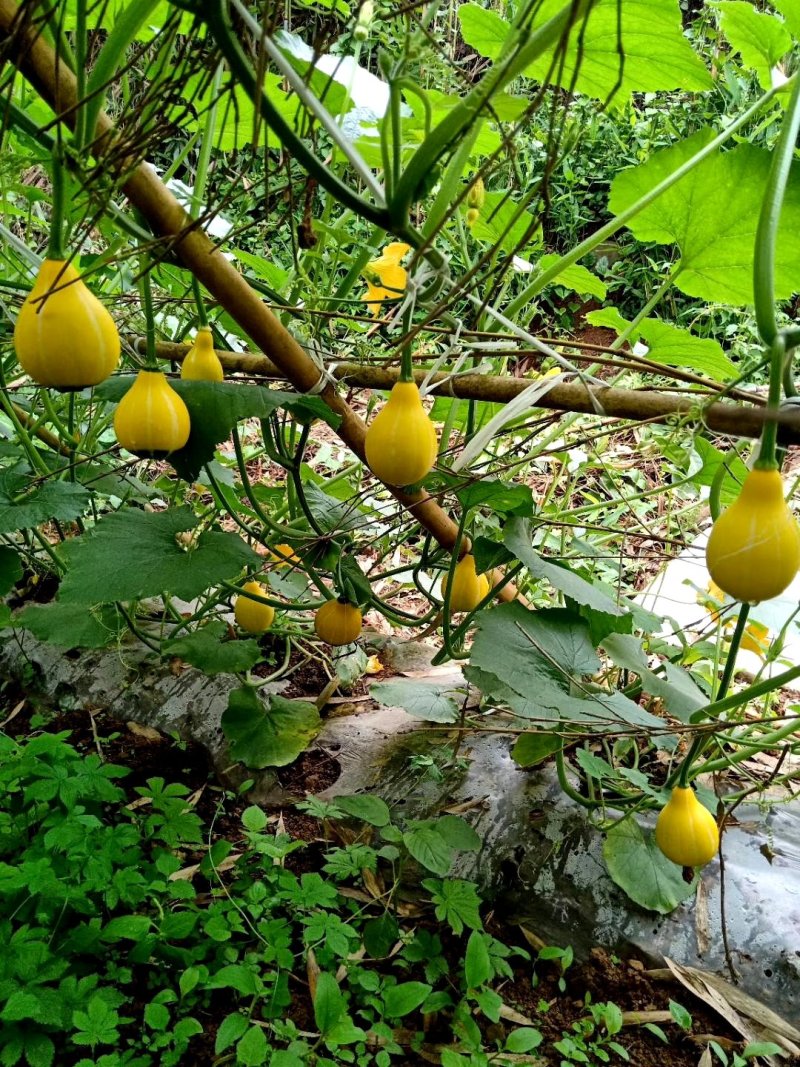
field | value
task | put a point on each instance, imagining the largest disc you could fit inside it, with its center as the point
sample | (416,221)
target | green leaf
(523,1040)
(268,735)
(71,625)
(575,277)
(156,1016)
(429,848)
(761,40)
(533,650)
(39,1050)
(402,999)
(252,1048)
(677,689)
(530,749)
(456,902)
(672,346)
(10,570)
(230,1030)
(205,649)
(477,964)
(761,1048)
(422,700)
(483,30)
(503,223)
(369,809)
(489,554)
(22,508)
(791,13)
(680,1015)
(132,554)
(711,214)
(657,56)
(497,496)
(126,927)
(380,935)
(214,409)
(254,819)
(517,537)
(331,515)
(458,833)
(329,1003)
(712,459)
(638,867)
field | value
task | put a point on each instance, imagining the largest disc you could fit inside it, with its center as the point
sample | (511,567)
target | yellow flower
(391,275)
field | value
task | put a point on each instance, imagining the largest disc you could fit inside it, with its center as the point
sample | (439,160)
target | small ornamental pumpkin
(338,622)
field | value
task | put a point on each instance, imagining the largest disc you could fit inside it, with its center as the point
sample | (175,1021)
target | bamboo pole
(636,405)
(56,85)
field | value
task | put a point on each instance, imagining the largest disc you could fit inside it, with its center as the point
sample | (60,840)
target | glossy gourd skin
(338,622)
(253,617)
(753,552)
(202,362)
(469,588)
(67,340)
(686,832)
(401,443)
(151,419)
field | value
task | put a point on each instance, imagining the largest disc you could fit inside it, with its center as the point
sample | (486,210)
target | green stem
(733,652)
(202,317)
(55,246)
(765,743)
(769,220)
(145,288)
(767,459)
(80,75)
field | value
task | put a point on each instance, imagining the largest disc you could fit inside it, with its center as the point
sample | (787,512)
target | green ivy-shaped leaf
(133,554)
(268,735)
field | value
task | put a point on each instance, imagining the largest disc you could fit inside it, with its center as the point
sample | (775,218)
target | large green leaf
(214,409)
(207,650)
(760,39)
(712,214)
(133,554)
(532,651)
(22,508)
(517,538)
(272,735)
(422,700)
(656,54)
(531,660)
(791,13)
(71,625)
(638,866)
(671,345)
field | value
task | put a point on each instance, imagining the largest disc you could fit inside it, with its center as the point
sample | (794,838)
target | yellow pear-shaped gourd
(151,419)
(338,622)
(202,362)
(469,588)
(284,555)
(686,832)
(401,442)
(64,337)
(753,552)
(249,614)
